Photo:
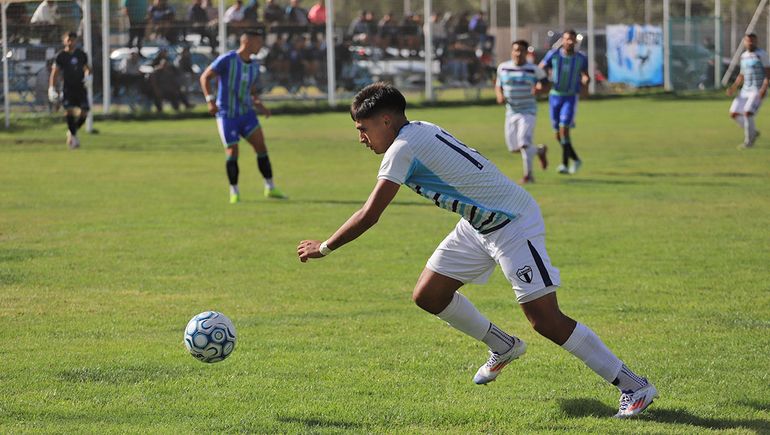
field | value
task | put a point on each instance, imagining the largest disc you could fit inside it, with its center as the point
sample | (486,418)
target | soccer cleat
(74,142)
(575,166)
(235,198)
(562,169)
(494,365)
(527,179)
(753,139)
(274,193)
(633,403)
(542,150)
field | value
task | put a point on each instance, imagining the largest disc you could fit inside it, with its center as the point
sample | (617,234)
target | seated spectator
(136,12)
(438,33)
(387,33)
(295,14)
(128,78)
(234,17)
(477,27)
(44,21)
(251,14)
(274,13)
(363,28)
(161,20)
(411,32)
(277,61)
(296,56)
(317,13)
(165,82)
(198,20)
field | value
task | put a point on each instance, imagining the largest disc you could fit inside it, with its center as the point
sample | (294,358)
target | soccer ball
(210,336)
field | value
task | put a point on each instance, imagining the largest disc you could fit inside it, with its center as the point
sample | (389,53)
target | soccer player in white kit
(755,71)
(500,224)
(517,83)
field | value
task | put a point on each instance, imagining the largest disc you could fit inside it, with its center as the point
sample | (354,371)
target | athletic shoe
(527,179)
(274,193)
(489,371)
(235,198)
(75,142)
(575,166)
(542,150)
(562,169)
(753,138)
(633,403)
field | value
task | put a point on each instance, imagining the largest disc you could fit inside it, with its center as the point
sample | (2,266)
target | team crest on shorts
(525,274)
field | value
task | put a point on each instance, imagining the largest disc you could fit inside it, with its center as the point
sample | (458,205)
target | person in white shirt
(753,80)
(45,13)
(500,224)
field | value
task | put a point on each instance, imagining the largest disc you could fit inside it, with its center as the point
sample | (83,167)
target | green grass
(662,241)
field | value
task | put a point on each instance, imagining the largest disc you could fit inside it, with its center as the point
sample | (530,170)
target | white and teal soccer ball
(210,336)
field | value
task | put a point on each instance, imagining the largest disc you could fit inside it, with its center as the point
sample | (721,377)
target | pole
(767,28)
(733,24)
(331,79)
(717,42)
(514,13)
(591,47)
(88,48)
(106,73)
(428,34)
(648,12)
(667,46)
(562,15)
(493,17)
(221,28)
(738,48)
(687,24)
(6,99)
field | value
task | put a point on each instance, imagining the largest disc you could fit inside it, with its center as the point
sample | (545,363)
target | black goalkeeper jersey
(72,67)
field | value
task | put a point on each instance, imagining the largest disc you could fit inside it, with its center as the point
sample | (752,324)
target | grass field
(663,242)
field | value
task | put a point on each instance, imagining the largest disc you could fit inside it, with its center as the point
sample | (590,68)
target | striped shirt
(566,71)
(453,176)
(517,82)
(753,64)
(236,78)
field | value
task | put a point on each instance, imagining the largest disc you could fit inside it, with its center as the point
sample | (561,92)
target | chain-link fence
(158,48)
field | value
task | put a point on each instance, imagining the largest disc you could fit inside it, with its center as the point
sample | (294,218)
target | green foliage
(106,252)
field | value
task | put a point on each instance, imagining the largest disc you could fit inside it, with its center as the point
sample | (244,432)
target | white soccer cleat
(562,169)
(575,166)
(633,403)
(494,365)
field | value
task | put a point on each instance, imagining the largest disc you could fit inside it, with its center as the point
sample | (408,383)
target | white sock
(739,120)
(463,316)
(234,189)
(269,183)
(628,380)
(527,155)
(498,340)
(589,348)
(748,129)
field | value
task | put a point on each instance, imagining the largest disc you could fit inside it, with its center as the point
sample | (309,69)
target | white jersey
(753,64)
(517,82)
(455,177)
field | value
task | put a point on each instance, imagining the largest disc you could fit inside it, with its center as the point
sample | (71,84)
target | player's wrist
(324,249)
(210,98)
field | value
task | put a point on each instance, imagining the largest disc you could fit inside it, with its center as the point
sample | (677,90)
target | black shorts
(75,96)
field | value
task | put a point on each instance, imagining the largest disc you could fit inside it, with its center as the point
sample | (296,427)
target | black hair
(752,35)
(69,34)
(572,32)
(521,43)
(255,31)
(375,98)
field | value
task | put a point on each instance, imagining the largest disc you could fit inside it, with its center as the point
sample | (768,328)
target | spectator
(317,13)
(161,18)
(461,24)
(295,14)
(184,66)
(129,79)
(387,33)
(362,28)
(277,61)
(274,13)
(438,33)
(165,82)
(411,31)
(478,27)
(198,20)
(251,14)
(296,58)
(136,12)
(45,13)
(235,17)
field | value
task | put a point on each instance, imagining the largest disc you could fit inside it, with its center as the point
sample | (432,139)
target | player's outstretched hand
(213,108)
(308,249)
(53,95)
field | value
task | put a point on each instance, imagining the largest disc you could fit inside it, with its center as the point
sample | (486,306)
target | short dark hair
(752,35)
(572,32)
(255,31)
(375,98)
(69,34)
(521,43)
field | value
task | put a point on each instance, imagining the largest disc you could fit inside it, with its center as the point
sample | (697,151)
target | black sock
(263,163)
(72,124)
(565,153)
(81,121)
(232,172)
(572,153)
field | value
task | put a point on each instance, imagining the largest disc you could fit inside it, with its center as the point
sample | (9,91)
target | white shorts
(518,247)
(519,128)
(744,102)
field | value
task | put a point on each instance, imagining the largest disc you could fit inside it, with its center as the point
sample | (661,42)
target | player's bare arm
(357,224)
(258,105)
(585,79)
(205,82)
(499,95)
(763,88)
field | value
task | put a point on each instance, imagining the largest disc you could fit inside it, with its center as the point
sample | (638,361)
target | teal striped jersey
(565,71)
(753,64)
(236,78)
(517,82)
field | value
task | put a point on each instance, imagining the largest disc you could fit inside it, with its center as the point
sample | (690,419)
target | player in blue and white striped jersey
(234,104)
(754,75)
(500,223)
(516,85)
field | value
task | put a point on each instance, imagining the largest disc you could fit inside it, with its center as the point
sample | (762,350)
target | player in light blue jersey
(234,104)
(500,223)
(516,85)
(569,77)
(754,75)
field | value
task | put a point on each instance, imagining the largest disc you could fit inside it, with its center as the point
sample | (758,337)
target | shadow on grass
(317,423)
(593,408)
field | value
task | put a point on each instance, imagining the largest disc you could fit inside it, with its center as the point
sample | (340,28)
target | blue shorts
(562,110)
(232,129)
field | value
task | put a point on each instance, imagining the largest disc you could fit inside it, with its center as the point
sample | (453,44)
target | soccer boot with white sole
(633,403)
(562,169)
(575,166)
(274,193)
(235,198)
(496,362)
